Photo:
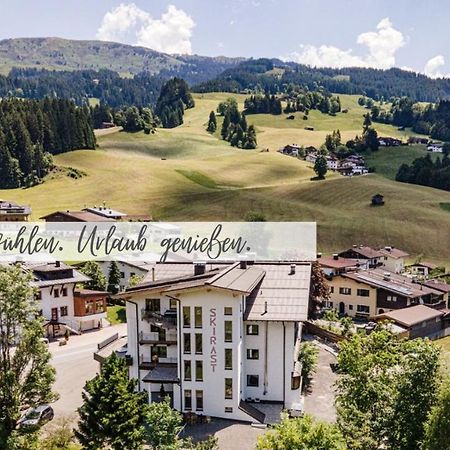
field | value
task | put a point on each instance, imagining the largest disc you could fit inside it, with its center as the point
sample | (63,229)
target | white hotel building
(220,339)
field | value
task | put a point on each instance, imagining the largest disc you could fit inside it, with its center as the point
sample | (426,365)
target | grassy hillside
(203,178)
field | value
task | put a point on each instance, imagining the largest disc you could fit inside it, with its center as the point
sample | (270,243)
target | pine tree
(250,138)
(225,126)
(113,278)
(113,413)
(212,123)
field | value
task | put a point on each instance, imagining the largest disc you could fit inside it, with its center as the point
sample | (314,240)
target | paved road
(319,402)
(75,365)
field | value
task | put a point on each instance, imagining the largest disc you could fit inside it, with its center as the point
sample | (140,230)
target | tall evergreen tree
(212,123)
(113,413)
(113,278)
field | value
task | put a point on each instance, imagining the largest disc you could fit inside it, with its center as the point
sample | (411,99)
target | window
(198,316)
(345,291)
(228,409)
(154,329)
(228,331)
(172,304)
(363,309)
(228,359)
(391,298)
(54,313)
(228,311)
(252,353)
(187,370)
(350,307)
(132,274)
(252,330)
(331,289)
(56,293)
(363,292)
(228,388)
(153,305)
(122,274)
(188,399)
(186,316)
(198,370)
(160,351)
(252,380)
(199,400)
(64,292)
(63,311)
(187,343)
(198,343)
(100,306)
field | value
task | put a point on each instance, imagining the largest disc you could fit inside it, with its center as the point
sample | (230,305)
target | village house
(95,214)
(12,212)
(393,259)
(363,252)
(367,293)
(435,148)
(291,149)
(421,269)
(389,142)
(418,140)
(441,286)
(335,265)
(220,339)
(419,321)
(61,304)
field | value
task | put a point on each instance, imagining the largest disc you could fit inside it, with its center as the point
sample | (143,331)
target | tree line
(31,131)
(426,172)
(430,119)
(258,76)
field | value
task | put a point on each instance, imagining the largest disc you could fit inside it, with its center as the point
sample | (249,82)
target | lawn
(387,160)
(116,314)
(187,174)
(445,353)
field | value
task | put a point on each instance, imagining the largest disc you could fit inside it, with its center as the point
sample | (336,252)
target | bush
(308,358)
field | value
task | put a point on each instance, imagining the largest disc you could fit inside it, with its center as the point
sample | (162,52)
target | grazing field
(187,174)
(387,160)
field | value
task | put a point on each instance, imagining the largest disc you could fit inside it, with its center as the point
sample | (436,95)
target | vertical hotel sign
(213,338)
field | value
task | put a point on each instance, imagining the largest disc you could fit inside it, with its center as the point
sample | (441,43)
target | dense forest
(32,131)
(174,98)
(426,172)
(273,76)
(430,119)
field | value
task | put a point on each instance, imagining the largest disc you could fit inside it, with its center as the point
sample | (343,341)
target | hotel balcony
(166,320)
(156,338)
(148,362)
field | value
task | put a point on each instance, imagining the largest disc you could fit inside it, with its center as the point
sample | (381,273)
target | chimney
(292,272)
(57,264)
(243,264)
(199,268)
(387,276)
(319,255)
(388,248)
(153,274)
(335,256)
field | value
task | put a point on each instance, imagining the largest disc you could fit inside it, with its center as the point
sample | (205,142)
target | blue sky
(377,33)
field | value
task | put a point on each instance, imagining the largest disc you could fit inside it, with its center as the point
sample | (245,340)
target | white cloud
(433,67)
(129,24)
(382,45)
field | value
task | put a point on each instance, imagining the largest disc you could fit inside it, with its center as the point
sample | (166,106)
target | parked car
(36,416)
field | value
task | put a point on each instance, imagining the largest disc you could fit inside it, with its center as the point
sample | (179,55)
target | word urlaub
(93,241)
